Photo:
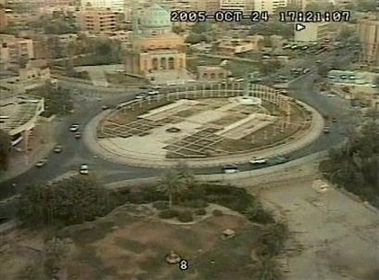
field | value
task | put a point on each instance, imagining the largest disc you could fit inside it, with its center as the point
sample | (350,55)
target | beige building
(211,73)
(238,5)
(368,33)
(210,6)
(97,21)
(13,48)
(299,4)
(154,47)
(3,18)
(269,6)
(314,32)
(232,46)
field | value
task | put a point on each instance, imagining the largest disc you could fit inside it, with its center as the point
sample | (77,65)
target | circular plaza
(206,126)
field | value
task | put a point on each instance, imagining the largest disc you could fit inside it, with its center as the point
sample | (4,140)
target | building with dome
(155,51)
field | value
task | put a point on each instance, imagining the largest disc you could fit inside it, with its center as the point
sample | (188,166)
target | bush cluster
(168,214)
(160,205)
(185,216)
(217,213)
(200,212)
(195,203)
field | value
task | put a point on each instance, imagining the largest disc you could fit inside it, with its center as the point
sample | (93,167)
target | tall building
(238,5)
(114,5)
(299,4)
(314,32)
(153,46)
(210,6)
(3,18)
(97,21)
(13,48)
(368,33)
(269,6)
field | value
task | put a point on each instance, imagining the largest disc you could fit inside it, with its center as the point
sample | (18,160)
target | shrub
(217,213)
(160,205)
(259,215)
(185,216)
(200,212)
(168,214)
(196,203)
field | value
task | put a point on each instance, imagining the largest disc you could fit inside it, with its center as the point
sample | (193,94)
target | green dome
(155,17)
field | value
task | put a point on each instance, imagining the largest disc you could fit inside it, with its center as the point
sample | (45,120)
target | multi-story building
(299,4)
(269,6)
(237,5)
(97,21)
(117,6)
(210,6)
(13,48)
(3,18)
(314,32)
(368,33)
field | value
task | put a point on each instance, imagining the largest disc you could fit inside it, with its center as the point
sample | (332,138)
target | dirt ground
(334,236)
(128,247)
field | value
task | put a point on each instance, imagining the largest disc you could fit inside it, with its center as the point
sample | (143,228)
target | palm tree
(172,184)
(268,269)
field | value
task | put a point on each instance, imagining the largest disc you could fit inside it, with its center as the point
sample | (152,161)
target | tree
(185,173)
(67,202)
(268,269)
(201,27)
(5,149)
(172,185)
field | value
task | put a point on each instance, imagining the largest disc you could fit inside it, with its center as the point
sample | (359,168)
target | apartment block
(270,6)
(13,48)
(368,33)
(96,21)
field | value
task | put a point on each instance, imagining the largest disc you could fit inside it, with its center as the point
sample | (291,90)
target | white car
(153,92)
(258,160)
(230,169)
(83,169)
(74,127)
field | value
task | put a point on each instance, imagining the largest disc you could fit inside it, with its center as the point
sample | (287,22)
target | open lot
(334,237)
(126,246)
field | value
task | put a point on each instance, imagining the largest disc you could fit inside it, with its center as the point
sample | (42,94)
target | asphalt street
(88,105)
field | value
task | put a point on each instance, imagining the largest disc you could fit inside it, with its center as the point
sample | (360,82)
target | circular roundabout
(206,127)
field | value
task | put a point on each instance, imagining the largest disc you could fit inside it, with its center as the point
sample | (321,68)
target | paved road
(75,153)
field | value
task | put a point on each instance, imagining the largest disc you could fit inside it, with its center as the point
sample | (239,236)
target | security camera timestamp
(312,16)
(218,16)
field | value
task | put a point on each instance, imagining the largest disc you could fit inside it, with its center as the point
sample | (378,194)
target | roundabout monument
(205,126)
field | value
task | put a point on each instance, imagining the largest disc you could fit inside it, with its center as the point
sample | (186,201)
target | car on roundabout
(41,163)
(258,160)
(230,168)
(58,149)
(84,170)
(279,159)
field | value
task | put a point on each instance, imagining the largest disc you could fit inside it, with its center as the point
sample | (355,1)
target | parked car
(78,135)
(58,149)
(74,127)
(41,162)
(326,130)
(230,168)
(84,169)
(258,160)
(105,107)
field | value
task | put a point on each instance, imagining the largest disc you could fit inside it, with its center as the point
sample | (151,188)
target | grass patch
(131,245)
(90,235)
(232,258)
(189,237)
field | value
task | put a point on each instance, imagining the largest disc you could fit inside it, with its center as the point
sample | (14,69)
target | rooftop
(17,110)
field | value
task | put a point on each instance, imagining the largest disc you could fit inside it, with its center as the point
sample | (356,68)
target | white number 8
(183,265)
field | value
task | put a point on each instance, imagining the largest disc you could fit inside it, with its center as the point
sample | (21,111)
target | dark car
(280,159)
